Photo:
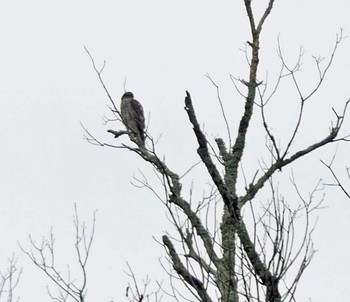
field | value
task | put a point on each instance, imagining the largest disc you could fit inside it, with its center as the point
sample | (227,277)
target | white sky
(47,86)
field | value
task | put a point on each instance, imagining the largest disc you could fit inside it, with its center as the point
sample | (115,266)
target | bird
(131,113)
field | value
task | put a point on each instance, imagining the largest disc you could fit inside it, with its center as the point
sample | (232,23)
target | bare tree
(229,246)
(9,280)
(43,255)
(138,292)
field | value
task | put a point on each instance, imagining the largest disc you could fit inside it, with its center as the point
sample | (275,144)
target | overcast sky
(162,48)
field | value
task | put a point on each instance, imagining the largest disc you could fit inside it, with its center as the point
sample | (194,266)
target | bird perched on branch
(131,112)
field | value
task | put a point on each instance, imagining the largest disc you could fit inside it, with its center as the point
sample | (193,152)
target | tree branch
(279,164)
(203,152)
(184,273)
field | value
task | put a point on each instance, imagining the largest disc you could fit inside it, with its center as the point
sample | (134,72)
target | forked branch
(43,256)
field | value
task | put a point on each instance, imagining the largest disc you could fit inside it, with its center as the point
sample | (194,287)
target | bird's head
(128,95)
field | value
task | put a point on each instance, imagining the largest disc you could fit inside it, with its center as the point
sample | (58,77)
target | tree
(43,255)
(9,280)
(226,253)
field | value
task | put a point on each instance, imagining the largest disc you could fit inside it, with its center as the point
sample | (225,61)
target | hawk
(131,112)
